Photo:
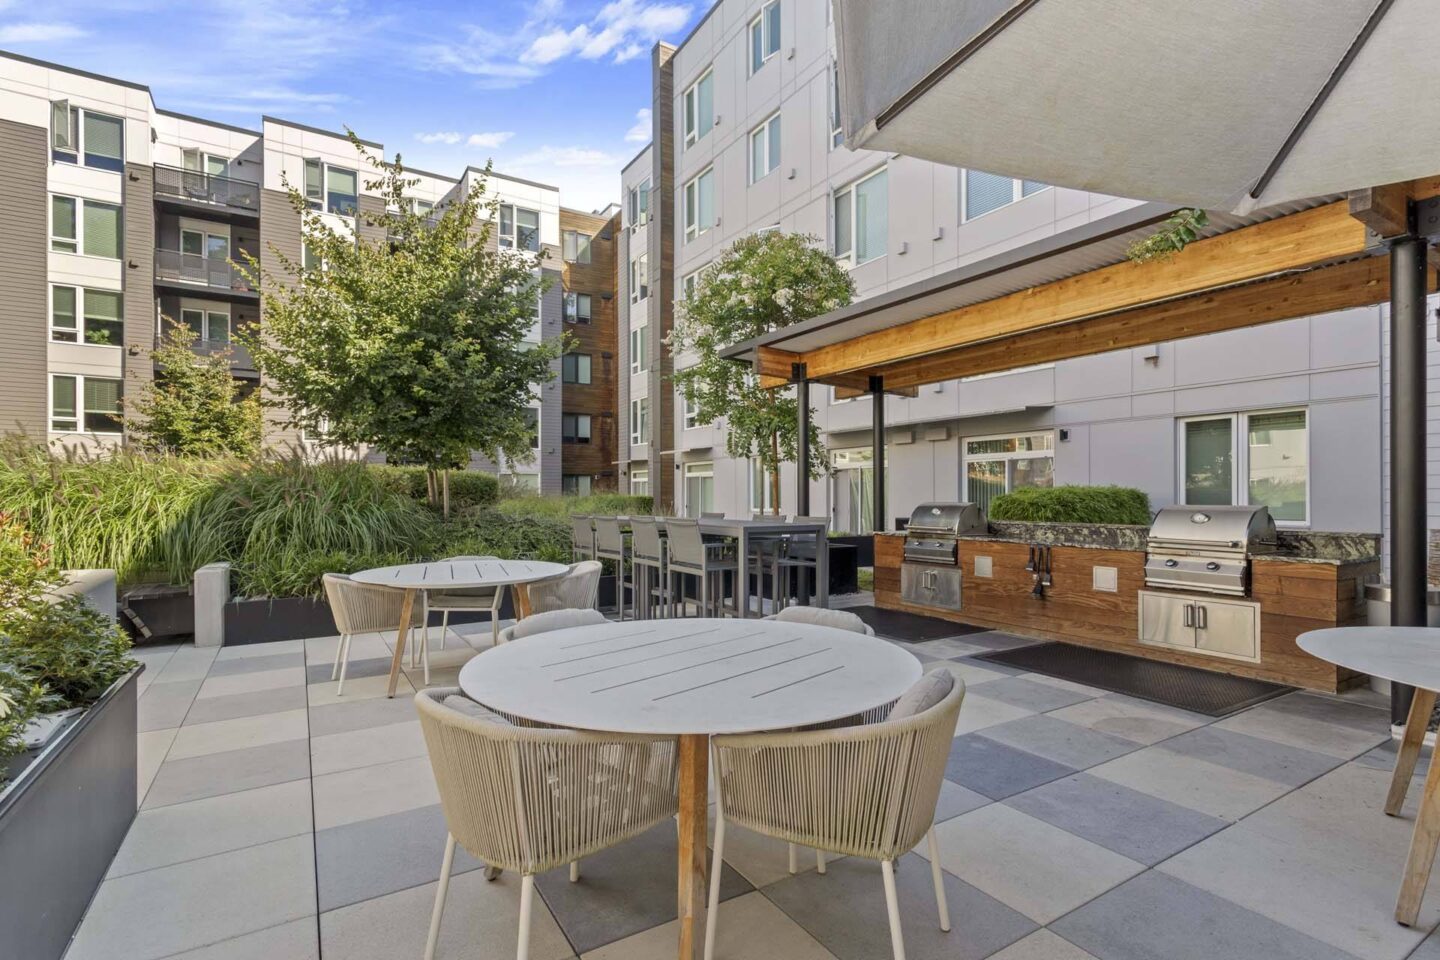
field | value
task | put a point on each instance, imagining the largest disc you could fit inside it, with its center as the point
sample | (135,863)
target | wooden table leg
(1410,743)
(1422,848)
(694,821)
(522,600)
(400,636)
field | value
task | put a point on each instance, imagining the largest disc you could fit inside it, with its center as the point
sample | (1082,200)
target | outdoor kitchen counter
(1315,582)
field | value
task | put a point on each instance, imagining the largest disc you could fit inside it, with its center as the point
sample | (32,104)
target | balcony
(192,189)
(194,272)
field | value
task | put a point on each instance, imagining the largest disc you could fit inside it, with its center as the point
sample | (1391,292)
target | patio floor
(281,821)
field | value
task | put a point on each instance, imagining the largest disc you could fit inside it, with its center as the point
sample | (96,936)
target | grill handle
(1201,620)
(1189,614)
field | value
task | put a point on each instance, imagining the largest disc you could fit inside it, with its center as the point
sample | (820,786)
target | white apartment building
(746,140)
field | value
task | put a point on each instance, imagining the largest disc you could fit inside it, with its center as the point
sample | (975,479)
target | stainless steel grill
(930,574)
(1207,549)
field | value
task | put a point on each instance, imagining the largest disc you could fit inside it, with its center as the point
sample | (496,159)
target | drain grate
(910,627)
(1189,688)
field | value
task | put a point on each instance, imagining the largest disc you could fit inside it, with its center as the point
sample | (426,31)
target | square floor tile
(749,927)
(971,671)
(251,682)
(1155,916)
(481,922)
(362,748)
(994,770)
(260,663)
(996,640)
(349,715)
(1308,733)
(239,734)
(1133,824)
(360,688)
(199,902)
(1324,859)
(357,668)
(294,940)
(845,911)
(955,800)
(203,828)
(187,663)
(1131,719)
(164,705)
(150,750)
(1035,697)
(1291,766)
(1207,787)
(1334,710)
(1067,743)
(372,858)
(251,704)
(761,860)
(623,890)
(945,648)
(1040,870)
(1042,945)
(353,795)
(249,651)
(218,773)
(979,712)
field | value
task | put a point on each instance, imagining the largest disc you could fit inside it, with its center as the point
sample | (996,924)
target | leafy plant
(561,508)
(69,647)
(195,407)
(22,699)
(484,532)
(1181,229)
(468,488)
(1072,504)
(762,282)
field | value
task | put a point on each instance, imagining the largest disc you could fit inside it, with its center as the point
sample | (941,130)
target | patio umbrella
(1220,104)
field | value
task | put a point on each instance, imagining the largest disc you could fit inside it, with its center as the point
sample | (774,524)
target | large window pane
(842,223)
(757,154)
(104,142)
(871,218)
(1209,466)
(102,229)
(984,481)
(1028,187)
(772,29)
(706,201)
(705,105)
(1279,464)
(773,153)
(103,320)
(62,224)
(985,192)
(63,414)
(757,44)
(342,191)
(102,405)
(1032,472)
(527,229)
(314,183)
(63,324)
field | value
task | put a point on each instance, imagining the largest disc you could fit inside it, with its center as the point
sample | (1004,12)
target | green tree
(761,283)
(195,408)
(409,337)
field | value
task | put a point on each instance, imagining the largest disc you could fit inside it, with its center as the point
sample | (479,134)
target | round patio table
(1407,655)
(453,575)
(691,678)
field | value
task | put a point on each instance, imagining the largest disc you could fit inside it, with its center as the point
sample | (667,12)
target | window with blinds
(985,192)
(79,135)
(101,230)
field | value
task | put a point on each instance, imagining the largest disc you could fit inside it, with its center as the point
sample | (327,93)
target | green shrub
(1073,504)
(596,504)
(483,531)
(468,488)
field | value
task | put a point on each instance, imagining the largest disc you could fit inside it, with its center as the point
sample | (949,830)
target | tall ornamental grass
(595,504)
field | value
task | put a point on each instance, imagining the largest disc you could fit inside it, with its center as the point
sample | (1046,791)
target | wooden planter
(62,819)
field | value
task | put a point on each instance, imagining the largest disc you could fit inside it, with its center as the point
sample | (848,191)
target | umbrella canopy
(1221,104)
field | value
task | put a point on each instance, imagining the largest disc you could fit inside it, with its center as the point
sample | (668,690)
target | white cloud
(624,28)
(444,137)
(640,133)
(568,157)
(489,141)
(38,32)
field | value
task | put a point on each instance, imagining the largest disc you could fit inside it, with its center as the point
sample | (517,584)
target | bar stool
(690,554)
(800,555)
(610,545)
(764,551)
(582,538)
(647,567)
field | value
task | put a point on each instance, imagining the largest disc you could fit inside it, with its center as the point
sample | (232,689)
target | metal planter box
(61,821)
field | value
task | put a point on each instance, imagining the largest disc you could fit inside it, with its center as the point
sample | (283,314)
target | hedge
(562,508)
(1073,504)
(468,488)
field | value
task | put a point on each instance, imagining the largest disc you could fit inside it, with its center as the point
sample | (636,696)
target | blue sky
(553,90)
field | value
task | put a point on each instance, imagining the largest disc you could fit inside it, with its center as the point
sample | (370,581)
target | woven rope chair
(838,619)
(863,791)
(362,608)
(576,589)
(529,799)
(459,600)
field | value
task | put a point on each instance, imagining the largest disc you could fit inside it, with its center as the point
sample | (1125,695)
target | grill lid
(945,520)
(1247,528)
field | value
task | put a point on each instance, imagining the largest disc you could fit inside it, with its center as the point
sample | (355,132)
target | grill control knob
(1172,563)
(1212,565)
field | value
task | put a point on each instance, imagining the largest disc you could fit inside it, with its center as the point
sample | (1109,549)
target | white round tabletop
(443,574)
(1408,655)
(690,676)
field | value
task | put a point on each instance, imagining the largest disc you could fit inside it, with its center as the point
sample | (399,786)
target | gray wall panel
(23,298)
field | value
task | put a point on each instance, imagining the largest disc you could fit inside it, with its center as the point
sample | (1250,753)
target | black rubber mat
(1189,688)
(909,627)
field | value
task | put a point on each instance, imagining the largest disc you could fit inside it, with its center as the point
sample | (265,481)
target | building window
(639,482)
(690,410)
(519,228)
(862,219)
(423,208)
(575,484)
(688,285)
(765,148)
(529,482)
(532,423)
(91,404)
(765,35)
(78,134)
(1270,468)
(762,494)
(640,421)
(575,427)
(575,368)
(984,192)
(211,326)
(332,189)
(640,278)
(79,315)
(699,488)
(836,133)
(639,205)
(575,246)
(577,308)
(85,226)
(700,204)
(639,348)
(700,107)
(855,488)
(996,465)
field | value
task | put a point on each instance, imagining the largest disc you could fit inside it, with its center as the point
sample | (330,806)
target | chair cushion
(474,709)
(555,620)
(924,694)
(820,617)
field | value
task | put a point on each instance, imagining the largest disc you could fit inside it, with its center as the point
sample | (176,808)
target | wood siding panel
(138,276)
(597,339)
(23,299)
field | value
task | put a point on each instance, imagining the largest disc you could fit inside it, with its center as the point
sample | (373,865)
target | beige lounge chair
(363,608)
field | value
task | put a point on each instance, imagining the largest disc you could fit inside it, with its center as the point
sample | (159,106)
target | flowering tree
(763,282)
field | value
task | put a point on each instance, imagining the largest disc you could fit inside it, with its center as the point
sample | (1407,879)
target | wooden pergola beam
(1385,210)
(1355,283)
(1300,241)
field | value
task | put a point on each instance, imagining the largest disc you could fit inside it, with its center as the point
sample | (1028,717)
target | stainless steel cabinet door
(1167,620)
(1230,628)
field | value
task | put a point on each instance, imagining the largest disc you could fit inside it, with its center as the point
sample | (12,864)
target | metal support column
(802,440)
(1408,520)
(877,441)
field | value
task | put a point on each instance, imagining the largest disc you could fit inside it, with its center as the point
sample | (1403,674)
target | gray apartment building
(746,139)
(119,214)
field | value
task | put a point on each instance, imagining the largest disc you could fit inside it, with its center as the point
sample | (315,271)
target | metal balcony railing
(207,188)
(216,273)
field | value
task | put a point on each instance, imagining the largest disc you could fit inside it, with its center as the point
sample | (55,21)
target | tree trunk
(775,474)
(445,484)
